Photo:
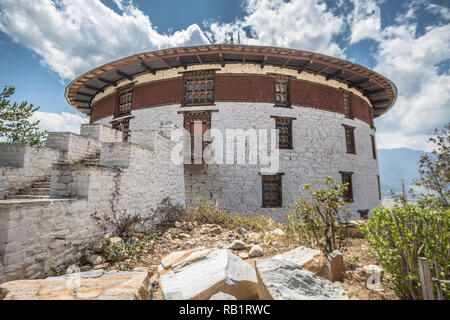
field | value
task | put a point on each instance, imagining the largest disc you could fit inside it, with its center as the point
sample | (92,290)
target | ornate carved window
(124,126)
(348,109)
(347,178)
(198,88)
(281,93)
(374,148)
(272,191)
(350,139)
(284,126)
(125,100)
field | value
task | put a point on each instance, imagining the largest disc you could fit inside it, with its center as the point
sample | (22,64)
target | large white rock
(306,258)
(283,280)
(217,271)
(92,285)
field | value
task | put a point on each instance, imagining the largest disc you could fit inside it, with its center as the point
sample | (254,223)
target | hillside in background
(396,164)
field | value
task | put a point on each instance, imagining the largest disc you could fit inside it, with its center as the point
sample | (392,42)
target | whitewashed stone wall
(41,237)
(101,133)
(74,147)
(319,151)
(21,165)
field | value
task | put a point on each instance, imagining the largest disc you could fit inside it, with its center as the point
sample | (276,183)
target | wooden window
(284,126)
(125,100)
(272,191)
(374,148)
(348,109)
(203,121)
(281,93)
(124,126)
(198,88)
(350,139)
(347,178)
(379,187)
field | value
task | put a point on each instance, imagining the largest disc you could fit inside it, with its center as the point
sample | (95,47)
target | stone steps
(27,196)
(38,190)
(45,184)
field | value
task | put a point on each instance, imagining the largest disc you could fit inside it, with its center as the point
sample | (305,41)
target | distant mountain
(396,164)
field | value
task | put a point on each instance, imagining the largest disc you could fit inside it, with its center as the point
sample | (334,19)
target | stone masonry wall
(319,151)
(74,147)
(21,165)
(101,133)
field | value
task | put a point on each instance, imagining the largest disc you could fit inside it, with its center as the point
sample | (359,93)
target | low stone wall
(101,133)
(74,147)
(41,237)
(21,165)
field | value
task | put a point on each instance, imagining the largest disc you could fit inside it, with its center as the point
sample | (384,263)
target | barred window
(374,148)
(197,123)
(348,109)
(284,126)
(125,99)
(350,139)
(198,89)
(347,178)
(281,93)
(272,191)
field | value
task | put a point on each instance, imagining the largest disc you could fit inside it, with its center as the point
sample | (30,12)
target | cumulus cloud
(305,24)
(365,21)
(73,36)
(55,122)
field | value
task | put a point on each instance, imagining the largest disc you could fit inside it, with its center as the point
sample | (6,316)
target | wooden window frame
(347,178)
(276,179)
(374,148)
(124,107)
(197,79)
(284,122)
(350,139)
(192,117)
(279,84)
(348,107)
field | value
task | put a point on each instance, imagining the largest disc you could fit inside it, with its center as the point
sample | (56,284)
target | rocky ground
(359,262)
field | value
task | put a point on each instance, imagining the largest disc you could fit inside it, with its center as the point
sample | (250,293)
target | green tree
(15,123)
(434,170)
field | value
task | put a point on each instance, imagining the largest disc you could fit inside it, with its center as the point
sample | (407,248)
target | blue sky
(44,44)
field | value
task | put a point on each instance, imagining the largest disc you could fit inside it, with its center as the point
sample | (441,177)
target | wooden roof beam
(94,88)
(199,59)
(322,70)
(180,60)
(286,62)
(335,74)
(111,83)
(148,68)
(82,101)
(375,92)
(356,84)
(263,63)
(124,75)
(222,61)
(85,94)
(303,67)
(244,58)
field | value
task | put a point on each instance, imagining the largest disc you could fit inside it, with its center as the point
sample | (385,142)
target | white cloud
(73,36)
(442,11)
(64,122)
(301,24)
(365,21)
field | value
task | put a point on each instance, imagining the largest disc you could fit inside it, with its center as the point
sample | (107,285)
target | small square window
(124,126)
(284,126)
(350,139)
(198,89)
(125,100)
(281,93)
(348,108)
(272,191)
(347,178)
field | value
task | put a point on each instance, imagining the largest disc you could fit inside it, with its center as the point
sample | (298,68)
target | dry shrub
(207,212)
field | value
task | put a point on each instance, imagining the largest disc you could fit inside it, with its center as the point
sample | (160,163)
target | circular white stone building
(322,107)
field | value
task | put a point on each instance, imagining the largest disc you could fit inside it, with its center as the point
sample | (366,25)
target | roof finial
(232,40)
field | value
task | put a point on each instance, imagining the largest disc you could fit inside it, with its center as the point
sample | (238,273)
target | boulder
(216,230)
(92,285)
(243,255)
(98,246)
(283,280)
(243,232)
(371,269)
(222,296)
(237,245)
(201,278)
(308,259)
(336,270)
(95,259)
(256,251)
(115,240)
(180,258)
